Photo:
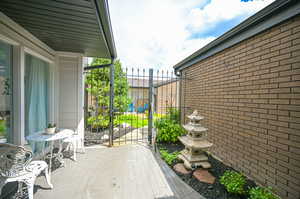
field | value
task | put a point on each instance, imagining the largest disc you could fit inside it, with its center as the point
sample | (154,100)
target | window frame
(9,138)
(18,88)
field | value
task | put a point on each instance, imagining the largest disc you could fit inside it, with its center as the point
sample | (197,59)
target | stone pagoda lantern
(195,143)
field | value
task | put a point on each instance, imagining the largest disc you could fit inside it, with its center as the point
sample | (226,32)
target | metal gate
(123,111)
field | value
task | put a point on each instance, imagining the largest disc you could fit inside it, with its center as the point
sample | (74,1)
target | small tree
(98,87)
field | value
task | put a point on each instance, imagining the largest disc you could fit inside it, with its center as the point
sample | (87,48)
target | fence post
(111,104)
(86,109)
(150,114)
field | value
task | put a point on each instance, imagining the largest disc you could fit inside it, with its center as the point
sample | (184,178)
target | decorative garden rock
(204,175)
(195,143)
(179,167)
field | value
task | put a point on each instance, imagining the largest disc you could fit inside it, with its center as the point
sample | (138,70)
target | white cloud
(219,10)
(157,33)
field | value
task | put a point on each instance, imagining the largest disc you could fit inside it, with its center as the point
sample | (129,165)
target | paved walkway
(126,172)
(136,136)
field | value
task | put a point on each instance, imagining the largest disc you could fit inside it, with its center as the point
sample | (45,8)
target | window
(5,92)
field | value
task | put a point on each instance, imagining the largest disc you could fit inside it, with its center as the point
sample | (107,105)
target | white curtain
(36,96)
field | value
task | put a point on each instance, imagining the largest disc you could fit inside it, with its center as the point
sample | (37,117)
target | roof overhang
(79,26)
(274,14)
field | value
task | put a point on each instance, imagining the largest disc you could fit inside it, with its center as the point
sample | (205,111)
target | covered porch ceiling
(81,26)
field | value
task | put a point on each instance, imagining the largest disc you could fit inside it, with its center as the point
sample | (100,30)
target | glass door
(5,92)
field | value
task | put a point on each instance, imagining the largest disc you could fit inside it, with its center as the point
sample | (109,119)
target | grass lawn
(2,128)
(133,120)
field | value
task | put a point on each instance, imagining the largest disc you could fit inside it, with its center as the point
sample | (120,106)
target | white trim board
(8,40)
(68,54)
(31,52)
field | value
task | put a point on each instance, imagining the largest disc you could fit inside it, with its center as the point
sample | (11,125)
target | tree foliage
(98,81)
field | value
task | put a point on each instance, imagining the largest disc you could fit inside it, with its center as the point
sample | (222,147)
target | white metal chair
(16,166)
(73,141)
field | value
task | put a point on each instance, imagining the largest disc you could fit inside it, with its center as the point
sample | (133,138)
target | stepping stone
(181,169)
(203,175)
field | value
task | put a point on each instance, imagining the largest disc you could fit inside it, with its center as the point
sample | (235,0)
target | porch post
(19,96)
(111,104)
(150,114)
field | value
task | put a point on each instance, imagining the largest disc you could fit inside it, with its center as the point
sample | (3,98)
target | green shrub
(168,131)
(168,127)
(168,157)
(234,182)
(99,121)
(261,193)
(173,114)
(2,127)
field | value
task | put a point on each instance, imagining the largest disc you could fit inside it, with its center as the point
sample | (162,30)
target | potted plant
(51,128)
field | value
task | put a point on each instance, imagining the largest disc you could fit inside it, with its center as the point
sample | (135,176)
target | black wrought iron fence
(141,96)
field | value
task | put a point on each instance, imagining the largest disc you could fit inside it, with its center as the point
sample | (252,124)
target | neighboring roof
(81,26)
(159,84)
(140,82)
(268,17)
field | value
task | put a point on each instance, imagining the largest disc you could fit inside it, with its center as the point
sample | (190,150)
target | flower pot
(50,130)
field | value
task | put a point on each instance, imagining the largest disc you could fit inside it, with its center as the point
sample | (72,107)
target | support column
(19,95)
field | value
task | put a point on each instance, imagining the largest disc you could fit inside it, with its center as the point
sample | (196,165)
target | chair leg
(74,150)
(82,145)
(68,147)
(47,176)
(2,184)
(30,186)
(20,189)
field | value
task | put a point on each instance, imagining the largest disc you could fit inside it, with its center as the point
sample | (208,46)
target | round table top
(42,137)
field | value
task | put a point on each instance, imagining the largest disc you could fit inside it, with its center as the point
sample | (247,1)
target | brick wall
(250,97)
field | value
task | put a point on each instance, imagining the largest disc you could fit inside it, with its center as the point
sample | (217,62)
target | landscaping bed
(209,191)
(219,181)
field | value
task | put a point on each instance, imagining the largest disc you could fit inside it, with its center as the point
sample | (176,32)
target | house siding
(139,97)
(250,97)
(166,97)
(71,91)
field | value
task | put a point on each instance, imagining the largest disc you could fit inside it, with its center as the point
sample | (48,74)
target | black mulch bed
(209,191)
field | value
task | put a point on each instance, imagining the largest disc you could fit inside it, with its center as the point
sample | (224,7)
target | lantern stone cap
(193,128)
(195,144)
(195,117)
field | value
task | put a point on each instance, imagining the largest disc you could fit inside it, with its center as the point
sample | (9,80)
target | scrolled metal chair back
(13,160)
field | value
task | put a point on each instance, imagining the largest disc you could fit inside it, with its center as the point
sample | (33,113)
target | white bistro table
(59,136)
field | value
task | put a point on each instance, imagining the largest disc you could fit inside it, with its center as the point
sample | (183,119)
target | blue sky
(219,28)
(160,33)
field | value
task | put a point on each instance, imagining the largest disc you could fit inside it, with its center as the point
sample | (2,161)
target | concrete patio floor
(126,172)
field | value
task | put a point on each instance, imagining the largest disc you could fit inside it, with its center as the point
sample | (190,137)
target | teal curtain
(36,97)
